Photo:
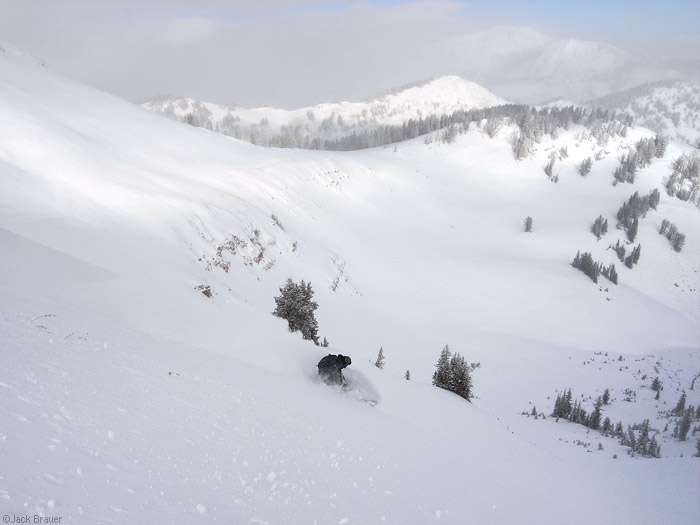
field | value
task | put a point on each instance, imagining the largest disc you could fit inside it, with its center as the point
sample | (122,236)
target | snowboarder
(330,369)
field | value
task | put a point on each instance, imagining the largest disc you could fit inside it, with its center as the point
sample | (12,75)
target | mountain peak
(448,91)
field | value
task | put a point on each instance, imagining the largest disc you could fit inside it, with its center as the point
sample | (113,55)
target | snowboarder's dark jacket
(330,368)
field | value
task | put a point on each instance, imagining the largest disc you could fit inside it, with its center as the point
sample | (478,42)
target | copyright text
(30,518)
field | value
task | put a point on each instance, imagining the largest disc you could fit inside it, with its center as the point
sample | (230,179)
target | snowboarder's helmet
(347,360)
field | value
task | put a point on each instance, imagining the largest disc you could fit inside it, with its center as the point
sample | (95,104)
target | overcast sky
(293,53)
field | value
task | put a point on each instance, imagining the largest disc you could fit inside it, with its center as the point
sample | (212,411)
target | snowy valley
(143,377)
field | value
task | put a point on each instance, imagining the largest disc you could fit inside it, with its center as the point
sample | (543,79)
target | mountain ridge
(330,120)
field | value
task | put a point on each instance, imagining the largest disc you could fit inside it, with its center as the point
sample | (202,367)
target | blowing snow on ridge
(143,377)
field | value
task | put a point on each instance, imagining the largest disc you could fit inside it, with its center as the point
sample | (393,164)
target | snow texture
(127,395)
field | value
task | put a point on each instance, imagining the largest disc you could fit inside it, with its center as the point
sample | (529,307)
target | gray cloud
(282,52)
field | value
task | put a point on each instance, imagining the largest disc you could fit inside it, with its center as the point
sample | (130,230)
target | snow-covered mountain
(128,395)
(524,64)
(329,120)
(672,108)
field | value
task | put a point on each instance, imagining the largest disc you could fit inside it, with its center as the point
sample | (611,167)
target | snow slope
(127,395)
(439,96)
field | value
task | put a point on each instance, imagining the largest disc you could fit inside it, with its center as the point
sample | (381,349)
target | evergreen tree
(610,273)
(562,405)
(600,227)
(408,375)
(460,378)
(379,363)
(454,374)
(619,250)
(295,304)
(633,257)
(441,377)
(680,406)
(654,198)
(683,426)
(636,253)
(619,431)
(643,439)
(596,415)
(654,448)
(528,224)
(585,166)
(632,232)
(585,263)
(678,241)
(549,168)
(606,396)
(631,439)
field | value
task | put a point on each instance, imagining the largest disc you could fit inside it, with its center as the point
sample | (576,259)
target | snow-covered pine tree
(600,227)
(610,273)
(585,263)
(549,168)
(636,253)
(585,166)
(631,439)
(295,304)
(460,377)
(643,439)
(660,143)
(562,406)
(379,363)
(492,126)
(633,257)
(619,250)
(441,377)
(680,406)
(596,415)
(678,241)
(683,426)
(632,231)
(654,198)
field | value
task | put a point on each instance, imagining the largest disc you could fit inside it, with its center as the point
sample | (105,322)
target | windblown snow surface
(129,396)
